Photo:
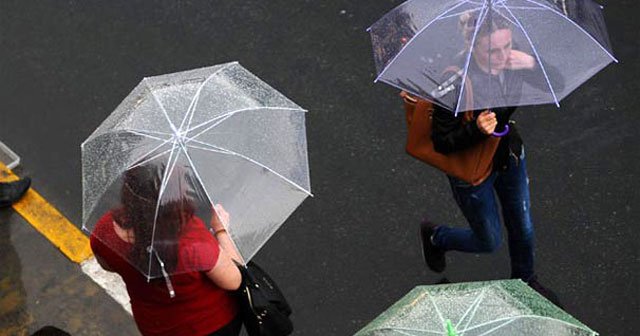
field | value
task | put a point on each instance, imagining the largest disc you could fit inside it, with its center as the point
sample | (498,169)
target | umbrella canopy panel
(216,135)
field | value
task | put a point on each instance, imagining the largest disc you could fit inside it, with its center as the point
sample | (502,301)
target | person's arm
(531,71)
(449,134)
(219,223)
(225,274)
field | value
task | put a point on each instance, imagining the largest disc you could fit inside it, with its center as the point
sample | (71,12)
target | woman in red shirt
(197,299)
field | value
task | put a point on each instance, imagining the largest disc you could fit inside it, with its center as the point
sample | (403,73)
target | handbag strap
(468,93)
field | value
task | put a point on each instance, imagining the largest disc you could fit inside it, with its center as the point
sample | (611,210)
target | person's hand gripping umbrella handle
(504,132)
(487,123)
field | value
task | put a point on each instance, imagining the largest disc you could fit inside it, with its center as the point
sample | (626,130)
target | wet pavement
(39,286)
(351,251)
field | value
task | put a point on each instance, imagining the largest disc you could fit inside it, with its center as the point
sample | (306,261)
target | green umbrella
(503,307)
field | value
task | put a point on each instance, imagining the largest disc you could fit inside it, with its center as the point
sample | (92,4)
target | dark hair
(469,20)
(139,201)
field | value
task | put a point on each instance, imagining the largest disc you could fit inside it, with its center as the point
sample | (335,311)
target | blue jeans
(480,207)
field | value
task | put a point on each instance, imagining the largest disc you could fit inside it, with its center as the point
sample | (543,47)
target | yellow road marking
(50,222)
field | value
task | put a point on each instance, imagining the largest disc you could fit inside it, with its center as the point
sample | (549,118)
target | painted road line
(111,282)
(67,237)
(50,222)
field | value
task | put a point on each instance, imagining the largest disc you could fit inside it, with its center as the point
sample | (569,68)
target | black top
(449,134)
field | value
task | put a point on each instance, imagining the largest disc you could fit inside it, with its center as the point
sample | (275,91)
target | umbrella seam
(167,174)
(535,51)
(527,316)
(482,16)
(195,170)
(164,111)
(474,306)
(196,98)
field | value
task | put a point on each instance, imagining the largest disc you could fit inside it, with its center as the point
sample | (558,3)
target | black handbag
(264,309)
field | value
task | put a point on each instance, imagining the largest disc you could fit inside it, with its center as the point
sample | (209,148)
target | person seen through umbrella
(495,65)
(201,302)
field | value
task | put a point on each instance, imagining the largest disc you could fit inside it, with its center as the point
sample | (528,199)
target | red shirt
(199,306)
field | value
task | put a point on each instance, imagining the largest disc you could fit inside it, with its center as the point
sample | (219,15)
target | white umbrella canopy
(215,135)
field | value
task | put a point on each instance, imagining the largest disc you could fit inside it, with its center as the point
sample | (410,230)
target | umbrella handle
(504,132)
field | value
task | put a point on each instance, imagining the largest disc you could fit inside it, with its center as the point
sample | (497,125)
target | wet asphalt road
(348,253)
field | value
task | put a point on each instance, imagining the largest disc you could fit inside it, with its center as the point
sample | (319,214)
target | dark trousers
(480,207)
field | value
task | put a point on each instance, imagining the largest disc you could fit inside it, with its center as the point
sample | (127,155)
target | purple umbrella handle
(503,133)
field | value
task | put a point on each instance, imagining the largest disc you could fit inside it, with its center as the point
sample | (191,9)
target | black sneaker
(544,291)
(433,255)
(11,192)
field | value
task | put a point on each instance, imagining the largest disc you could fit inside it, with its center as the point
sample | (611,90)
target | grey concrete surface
(41,287)
(351,251)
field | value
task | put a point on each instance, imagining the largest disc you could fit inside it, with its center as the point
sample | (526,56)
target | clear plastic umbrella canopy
(181,142)
(479,54)
(496,308)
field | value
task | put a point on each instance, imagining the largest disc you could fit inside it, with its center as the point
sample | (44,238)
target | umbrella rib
(505,17)
(151,151)
(218,122)
(526,8)
(164,111)
(473,307)
(145,135)
(575,24)
(148,131)
(149,159)
(207,149)
(206,192)
(196,98)
(221,150)
(481,19)
(244,110)
(513,318)
(460,13)
(437,309)
(401,329)
(405,333)
(535,51)
(416,35)
(166,176)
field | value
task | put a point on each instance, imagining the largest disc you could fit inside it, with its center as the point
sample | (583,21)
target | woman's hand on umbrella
(219,218)
(408,98)
(487,122)
(519,60)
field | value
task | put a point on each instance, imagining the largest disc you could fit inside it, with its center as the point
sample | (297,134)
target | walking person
(494,63)
(189,302)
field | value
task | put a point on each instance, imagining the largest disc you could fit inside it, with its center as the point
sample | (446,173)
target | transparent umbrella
(215,135)
(501,52)
(496,308)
